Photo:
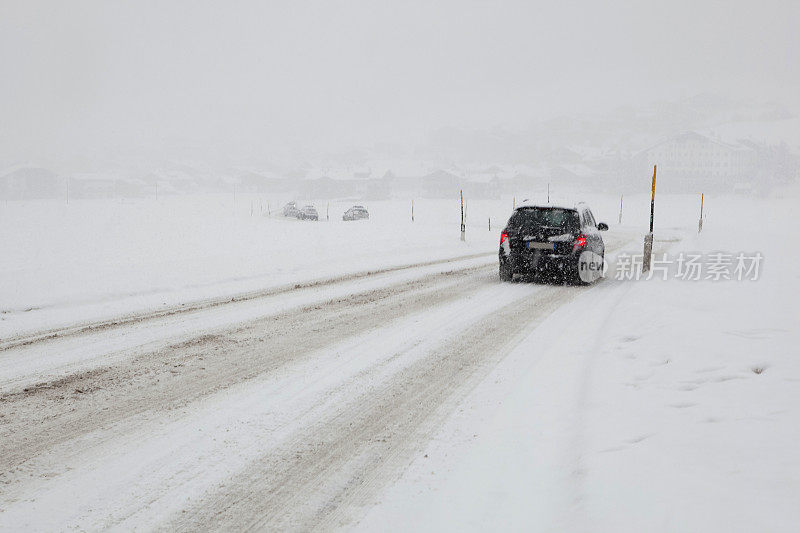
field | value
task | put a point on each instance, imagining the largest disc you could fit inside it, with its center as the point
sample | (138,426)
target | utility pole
(463,228)
(620,209)
(412,210)
(548,193)
(648,239)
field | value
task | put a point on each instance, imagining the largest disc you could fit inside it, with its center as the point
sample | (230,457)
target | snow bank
(93,259)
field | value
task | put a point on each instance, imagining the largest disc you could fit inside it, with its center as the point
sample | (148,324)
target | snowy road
(292,419)
(289,410)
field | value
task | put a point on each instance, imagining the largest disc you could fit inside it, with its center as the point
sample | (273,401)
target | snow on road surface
(85,346)
(272,419)
(431,397)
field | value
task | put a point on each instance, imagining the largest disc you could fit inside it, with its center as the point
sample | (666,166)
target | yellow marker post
(648,239)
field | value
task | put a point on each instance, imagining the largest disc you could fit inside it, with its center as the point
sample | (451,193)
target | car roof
(548,205)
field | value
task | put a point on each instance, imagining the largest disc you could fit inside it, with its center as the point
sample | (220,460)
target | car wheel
(574,275)
(505,272)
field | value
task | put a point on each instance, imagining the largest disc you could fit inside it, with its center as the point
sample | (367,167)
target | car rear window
(549,217)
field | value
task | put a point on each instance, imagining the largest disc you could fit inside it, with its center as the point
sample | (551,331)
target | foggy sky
(106,78)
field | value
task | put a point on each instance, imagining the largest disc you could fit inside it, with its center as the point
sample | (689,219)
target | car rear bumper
(538,261)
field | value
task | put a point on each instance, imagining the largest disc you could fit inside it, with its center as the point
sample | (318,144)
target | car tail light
(580,242)
(503,237)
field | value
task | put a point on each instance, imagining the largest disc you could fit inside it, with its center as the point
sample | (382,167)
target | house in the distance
(28,182)
(442,184)
(691,162)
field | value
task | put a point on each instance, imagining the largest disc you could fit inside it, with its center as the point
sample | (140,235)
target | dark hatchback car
(545,239)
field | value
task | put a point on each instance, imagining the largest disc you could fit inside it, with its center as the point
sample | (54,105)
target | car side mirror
(602,226)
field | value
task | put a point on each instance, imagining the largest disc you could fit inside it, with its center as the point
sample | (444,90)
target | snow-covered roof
(552,205)
(400,168)
(340,173)
(173,175)
(482,178)
(443,174)
(540,171)
(28,171)
(266,173)
(95,176)
(694,136)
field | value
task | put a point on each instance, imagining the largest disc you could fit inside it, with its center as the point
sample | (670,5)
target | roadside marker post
(490,223)
(463,228)
(412,210)
(700,224)
(648,239)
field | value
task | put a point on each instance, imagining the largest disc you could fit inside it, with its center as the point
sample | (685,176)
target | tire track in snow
(329,470)
(41,417)
(32,338)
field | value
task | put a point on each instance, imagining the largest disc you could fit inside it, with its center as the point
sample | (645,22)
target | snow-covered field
(426,395)
(94,259)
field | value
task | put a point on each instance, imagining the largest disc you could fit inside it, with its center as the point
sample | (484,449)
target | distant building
(691,162)
(571,175)
(28,183)
(441,184)
(92,186)
(260,181)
